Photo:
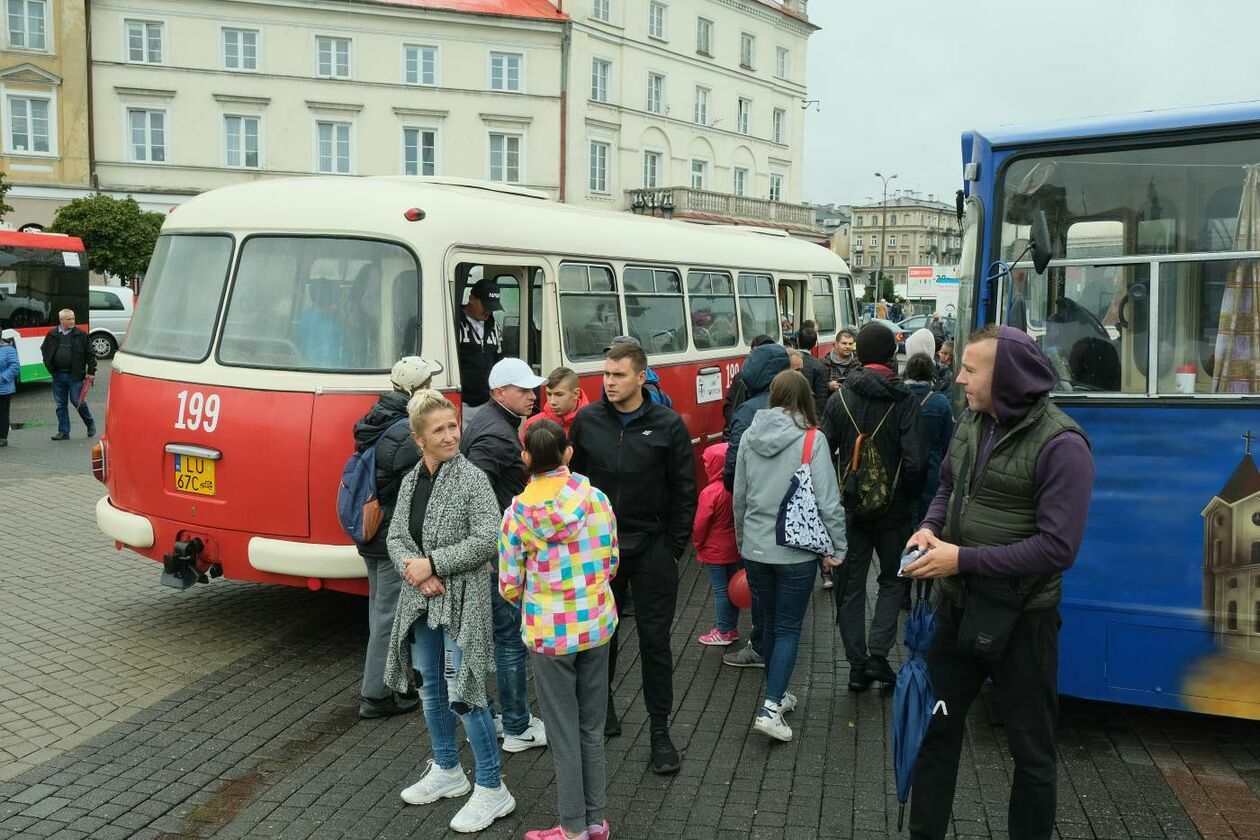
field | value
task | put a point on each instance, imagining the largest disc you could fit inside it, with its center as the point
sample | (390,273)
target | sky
(898,81)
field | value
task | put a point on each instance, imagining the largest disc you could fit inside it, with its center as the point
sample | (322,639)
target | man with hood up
(876,404)
(1005,524)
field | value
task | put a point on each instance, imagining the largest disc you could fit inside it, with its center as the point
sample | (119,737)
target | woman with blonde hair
(442,540)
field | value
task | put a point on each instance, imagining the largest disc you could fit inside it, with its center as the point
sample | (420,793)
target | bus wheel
(103,345)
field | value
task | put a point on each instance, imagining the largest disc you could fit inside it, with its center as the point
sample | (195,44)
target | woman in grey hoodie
(781,578)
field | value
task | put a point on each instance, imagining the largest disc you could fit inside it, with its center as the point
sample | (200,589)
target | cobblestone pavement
(229,711)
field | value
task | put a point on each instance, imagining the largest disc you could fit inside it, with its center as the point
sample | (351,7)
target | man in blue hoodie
(1005,524)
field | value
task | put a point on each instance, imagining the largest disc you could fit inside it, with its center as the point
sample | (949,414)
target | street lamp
(883,233)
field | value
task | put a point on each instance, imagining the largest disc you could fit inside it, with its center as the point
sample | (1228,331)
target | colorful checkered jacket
(557,558)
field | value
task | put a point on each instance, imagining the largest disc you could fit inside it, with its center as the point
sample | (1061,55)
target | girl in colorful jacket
(713,535)
(557,558)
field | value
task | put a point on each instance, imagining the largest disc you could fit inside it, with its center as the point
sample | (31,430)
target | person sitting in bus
(10,369)
(385,427)
(479,345)
(320,336)
(565,398)
(67,353)
(442,540)
(492,442)
(841,360)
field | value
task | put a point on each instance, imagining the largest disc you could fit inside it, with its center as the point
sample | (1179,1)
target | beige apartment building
(45,150)
(918,232)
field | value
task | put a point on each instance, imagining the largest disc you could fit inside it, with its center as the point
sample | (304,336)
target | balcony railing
(743,208)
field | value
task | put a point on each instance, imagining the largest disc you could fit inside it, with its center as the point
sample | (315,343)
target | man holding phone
(1005,524)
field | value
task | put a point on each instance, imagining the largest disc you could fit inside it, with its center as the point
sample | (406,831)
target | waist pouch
(991,607)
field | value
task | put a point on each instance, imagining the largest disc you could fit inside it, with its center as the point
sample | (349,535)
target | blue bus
(1150,311)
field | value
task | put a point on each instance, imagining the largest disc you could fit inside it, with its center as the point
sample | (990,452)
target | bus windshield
(179,303)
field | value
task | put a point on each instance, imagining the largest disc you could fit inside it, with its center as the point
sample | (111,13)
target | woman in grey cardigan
(780,577)
(443,539)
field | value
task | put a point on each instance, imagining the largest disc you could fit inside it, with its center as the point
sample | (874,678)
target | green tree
(5,207)
(118,236)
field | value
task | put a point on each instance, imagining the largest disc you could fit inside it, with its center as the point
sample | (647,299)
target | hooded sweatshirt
(557,558)
(763,365)
(1064,473)
(713,533)
(921,341)
(547,414)
(773,448)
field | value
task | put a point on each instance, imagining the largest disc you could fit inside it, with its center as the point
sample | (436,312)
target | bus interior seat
(1094,364)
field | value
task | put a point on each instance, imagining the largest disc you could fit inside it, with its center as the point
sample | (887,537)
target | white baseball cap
(410,372)
(516,372)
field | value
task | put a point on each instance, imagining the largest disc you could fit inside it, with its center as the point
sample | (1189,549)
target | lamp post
(883,232)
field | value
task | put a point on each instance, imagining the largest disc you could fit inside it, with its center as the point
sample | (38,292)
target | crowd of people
(512,540)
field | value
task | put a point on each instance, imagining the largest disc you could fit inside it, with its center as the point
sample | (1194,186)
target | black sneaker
(91,431)
(858,678)
(664,757)
(60,437)
(394,704)
(877,668)
(612,724)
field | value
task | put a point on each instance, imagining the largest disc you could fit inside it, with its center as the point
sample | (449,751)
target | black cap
(876,344)
(487,291)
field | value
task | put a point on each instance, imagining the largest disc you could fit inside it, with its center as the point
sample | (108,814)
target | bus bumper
(127,528)
(307,560)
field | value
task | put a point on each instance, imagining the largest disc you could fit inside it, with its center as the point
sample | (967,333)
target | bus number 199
(197,411)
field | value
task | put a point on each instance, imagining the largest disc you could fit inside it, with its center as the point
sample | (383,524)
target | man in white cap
(492,442)
(385,427)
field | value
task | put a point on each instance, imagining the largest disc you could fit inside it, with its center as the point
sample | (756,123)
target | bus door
(520,293)
(791,294)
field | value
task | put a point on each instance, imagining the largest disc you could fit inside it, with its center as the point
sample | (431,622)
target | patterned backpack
(865,488)
(798,524)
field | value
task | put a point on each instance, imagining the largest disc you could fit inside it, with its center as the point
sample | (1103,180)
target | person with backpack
(557,558)
(737,391)
(873,428)
(653,383)
(787,516)
(383,453)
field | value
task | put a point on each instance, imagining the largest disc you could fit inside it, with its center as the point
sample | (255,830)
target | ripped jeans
(437,657)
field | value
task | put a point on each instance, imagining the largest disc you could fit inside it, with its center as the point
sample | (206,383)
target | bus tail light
(414,214)
(99,469)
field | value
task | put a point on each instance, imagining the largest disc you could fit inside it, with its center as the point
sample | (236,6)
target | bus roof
(479,215)
(45,241)
(1142,122)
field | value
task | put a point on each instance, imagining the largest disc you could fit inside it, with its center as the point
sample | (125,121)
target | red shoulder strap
(808,449)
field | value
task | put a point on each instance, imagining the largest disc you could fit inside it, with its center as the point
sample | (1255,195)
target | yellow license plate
(194,475)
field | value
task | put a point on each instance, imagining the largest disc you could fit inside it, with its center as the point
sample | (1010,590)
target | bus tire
(103,345)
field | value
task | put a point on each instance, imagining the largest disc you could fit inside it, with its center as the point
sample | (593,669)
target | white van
(110,313)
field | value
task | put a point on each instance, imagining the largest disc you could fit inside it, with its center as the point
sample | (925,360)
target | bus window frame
(230,290)
(623,292)
(731,276)
(229,280)
(830,279)
(746,340)
(616,293)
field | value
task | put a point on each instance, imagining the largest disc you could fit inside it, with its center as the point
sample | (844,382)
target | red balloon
(737,590)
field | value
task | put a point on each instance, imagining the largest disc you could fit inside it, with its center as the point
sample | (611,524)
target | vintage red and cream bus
(272,312)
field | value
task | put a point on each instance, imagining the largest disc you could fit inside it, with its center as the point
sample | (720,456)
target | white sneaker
(482,808)
(788,703)
(535,735)
(436,784)
(769,721)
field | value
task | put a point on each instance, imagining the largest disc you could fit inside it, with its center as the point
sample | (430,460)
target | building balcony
(706,205)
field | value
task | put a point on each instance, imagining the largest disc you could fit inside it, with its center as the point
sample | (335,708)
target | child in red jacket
(714,537)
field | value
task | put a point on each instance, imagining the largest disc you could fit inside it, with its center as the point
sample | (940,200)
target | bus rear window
(180,300)
(311,303)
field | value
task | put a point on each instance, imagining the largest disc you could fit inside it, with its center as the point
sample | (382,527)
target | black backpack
(865,487)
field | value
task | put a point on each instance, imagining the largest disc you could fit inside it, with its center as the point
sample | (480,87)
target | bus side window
(590,316)
(1206,327)
(655,309)
(758,307)
(824,304)
(712,298)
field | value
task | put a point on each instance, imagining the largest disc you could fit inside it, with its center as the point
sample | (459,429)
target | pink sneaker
(599,832)
(717,638)
(557,833)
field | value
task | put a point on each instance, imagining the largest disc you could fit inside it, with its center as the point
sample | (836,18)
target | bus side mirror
(1040,242)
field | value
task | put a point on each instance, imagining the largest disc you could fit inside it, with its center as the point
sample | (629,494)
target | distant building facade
(919,232)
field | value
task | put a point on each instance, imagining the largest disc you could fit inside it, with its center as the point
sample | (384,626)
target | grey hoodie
(770,452)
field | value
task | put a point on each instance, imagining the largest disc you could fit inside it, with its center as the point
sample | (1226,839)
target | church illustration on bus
(1231,561)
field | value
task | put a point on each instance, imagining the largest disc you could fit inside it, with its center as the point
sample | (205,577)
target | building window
(743,115)
(857,222)
(144,42)
(420,65)
(776,187)
(601,10)
(702,106)
(332,57)
(652,169)
(892,241)
(240,49)
(505,158)
(874,240)
(892,220)
(505,71)
(30,129)
(892,260)
(776,125)
(704,36)
(656,20)
(857,261)
(656,93)
(240,141)
(600,69)
(333,147)
(1231,615)
(747,50)
(28,24)
(419,151)
(599,167)
(781,62)
(148,135)
(699,174)
(741,181)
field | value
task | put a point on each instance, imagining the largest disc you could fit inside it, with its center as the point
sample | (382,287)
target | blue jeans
(437,657)
(726,613)
(509,663)
(65,391)
(782,592)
